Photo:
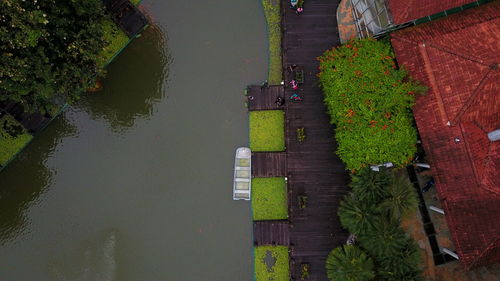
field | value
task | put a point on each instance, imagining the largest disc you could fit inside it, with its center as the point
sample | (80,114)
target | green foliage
(356,215)
(369,101)
(13,137)
(373,211)
(401,199)
(404,266)
(115,38)
(49,49)
(269,199)
(273,18)
(272,263)
(349,263)
(370,186)
(384,240)
(301,134)
(267,130)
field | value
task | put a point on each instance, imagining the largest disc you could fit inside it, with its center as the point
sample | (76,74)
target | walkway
(313,168)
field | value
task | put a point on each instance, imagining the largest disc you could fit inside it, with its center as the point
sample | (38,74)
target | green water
(135,182)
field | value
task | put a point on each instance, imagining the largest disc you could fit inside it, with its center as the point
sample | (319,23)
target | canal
(134,182)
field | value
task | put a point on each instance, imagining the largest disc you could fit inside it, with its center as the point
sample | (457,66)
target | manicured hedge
(369,100)
(269,201)
(273,18)
(280,269)
(267,130)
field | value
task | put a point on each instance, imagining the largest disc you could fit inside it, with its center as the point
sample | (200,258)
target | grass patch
(267,130)
(13,137)
(136,2)
(117,40)
(273,19)
(271,263)
(269,199)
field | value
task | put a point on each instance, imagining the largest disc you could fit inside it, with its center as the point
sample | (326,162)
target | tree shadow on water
(27,177)
(134,83)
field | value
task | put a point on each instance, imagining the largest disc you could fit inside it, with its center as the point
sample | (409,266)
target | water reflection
(135,82)
(27,177)
(95,260)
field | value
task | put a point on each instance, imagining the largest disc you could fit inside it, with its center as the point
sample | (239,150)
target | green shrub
(349,263)
(273,17)
(272,263)
(369,101)
(269,199)
(267,130)
(13,137)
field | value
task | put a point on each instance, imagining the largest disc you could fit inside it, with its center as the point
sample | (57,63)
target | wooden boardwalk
(269,164)
(313,168)
(271,233)
(263,97)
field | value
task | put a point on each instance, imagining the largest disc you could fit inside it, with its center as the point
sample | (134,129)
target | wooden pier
(315,174)
(264,97)
(314,170)
(271,233)
(269,164)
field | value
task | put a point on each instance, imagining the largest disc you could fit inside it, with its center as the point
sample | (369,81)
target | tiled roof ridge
(445,29)
(433,83)
(471,99)
(459,54)
(484,252)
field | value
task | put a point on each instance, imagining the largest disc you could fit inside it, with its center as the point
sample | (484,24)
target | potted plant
(302,199)
(304,271)
(301,134)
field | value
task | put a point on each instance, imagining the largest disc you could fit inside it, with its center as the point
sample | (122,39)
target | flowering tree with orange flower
(369,100)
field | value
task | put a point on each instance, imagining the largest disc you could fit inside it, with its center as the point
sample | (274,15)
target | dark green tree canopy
(49,49)
(349,263)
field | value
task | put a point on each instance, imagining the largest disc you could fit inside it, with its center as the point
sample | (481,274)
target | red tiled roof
(407,10)
(458,59)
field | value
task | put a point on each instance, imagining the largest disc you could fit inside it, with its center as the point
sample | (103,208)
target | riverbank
(18,128)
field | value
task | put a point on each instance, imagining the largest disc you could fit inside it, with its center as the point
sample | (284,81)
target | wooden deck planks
(263,97)
(313,168)
(269,164)
(271,233)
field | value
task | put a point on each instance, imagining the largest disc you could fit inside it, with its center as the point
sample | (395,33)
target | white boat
(242,185)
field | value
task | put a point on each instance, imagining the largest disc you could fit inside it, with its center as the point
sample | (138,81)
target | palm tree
(349,263)
(370,186)
(386,239)
(401,199)
(355,215)
(403,266)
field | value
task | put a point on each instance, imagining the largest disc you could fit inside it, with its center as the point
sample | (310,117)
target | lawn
(267,130)
(117,40)
(271,263)
(11,145)
(273,18)
(269,200)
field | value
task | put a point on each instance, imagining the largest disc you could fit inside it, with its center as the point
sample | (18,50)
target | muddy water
(134,182)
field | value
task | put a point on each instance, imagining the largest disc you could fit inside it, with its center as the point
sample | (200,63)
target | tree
(50,49)
(401,199)
(386,239)
(402,267)
(370,186)
(356,215)
(349,263)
